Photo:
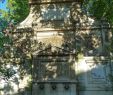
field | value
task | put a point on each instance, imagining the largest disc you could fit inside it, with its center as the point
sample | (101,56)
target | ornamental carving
(54,65)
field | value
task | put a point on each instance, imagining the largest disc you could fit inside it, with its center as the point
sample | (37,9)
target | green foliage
(6,72)
(100,9)
(18,10)
(3,38)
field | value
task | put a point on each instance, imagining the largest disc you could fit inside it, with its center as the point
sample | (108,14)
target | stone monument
(72,56)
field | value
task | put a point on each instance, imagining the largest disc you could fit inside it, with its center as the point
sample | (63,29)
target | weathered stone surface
(68,50)
(50,1)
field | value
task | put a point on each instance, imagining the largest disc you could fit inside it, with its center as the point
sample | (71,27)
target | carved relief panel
(55,67)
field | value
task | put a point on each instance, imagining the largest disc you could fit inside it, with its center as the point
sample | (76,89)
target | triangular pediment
(53,50)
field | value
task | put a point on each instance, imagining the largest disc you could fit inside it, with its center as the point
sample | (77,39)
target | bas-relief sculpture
(55,66)
(63,31)
(55,69)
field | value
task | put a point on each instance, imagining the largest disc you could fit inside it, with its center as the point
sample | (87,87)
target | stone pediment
(53,50)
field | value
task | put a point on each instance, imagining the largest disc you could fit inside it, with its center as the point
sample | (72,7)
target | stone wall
(53,30)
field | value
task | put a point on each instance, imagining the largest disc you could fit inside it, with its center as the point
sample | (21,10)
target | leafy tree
(17,10)
(101,9)
(3,26)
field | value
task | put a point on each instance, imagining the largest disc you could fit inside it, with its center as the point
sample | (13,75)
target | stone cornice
(37,2)
(62,29)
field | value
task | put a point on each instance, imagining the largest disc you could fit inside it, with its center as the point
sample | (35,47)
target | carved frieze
(54,64)
(51,1)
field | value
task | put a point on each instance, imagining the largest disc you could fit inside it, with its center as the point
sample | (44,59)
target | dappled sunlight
(57,48)
(53,67)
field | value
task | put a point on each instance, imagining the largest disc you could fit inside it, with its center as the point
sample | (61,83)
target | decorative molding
(54,51)
(36,2)
(51,65)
